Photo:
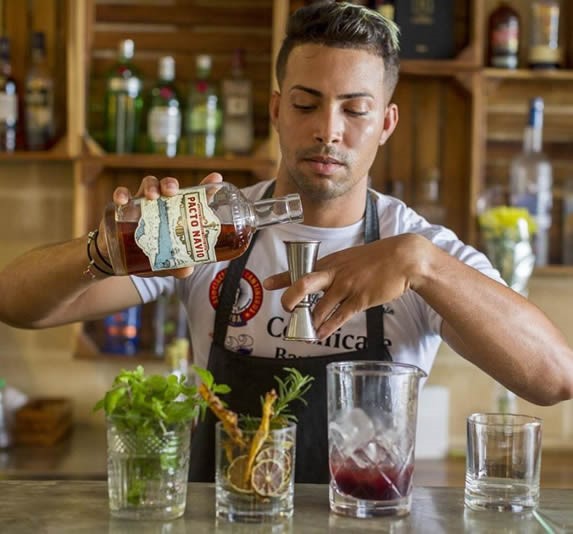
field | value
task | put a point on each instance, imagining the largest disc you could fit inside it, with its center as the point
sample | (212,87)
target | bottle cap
(126,49)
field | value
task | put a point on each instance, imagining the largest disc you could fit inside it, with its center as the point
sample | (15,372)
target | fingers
(277,281)
(338,317)
(212,178)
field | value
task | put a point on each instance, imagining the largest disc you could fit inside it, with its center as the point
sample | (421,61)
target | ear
(274,106)
(390,123)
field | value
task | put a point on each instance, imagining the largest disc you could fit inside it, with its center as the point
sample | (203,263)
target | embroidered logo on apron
(248,300)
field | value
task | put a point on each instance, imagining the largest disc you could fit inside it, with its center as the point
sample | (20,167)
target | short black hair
(343,25)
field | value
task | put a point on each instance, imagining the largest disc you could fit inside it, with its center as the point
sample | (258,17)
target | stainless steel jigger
(301,257)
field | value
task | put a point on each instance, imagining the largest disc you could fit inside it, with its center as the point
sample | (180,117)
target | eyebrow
(345,96)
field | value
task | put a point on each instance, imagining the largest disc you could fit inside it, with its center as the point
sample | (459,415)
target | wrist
(419,255)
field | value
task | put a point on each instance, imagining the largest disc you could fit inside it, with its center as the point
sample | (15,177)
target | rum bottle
(123,103)
(202,224)
(237,93)
(503,37)
(164,117)
(40,127)
(204,112)
(8,100)
(531,181)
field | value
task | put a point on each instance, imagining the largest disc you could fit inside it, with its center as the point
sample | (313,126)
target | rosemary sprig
(292,388)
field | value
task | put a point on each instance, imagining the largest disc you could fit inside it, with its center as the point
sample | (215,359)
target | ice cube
(352,430)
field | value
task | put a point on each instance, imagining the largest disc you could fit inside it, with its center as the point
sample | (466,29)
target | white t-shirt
(411,327)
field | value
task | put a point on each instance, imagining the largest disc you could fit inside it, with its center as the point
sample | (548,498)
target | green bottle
(123,103)
(204,114)
(164,117)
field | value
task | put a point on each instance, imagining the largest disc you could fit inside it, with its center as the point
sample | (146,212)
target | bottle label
(131,86)
(39,108)
(237,106)
(178,231)
(8,108)
(164,124)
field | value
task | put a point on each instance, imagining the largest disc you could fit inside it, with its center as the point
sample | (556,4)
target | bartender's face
(331,116)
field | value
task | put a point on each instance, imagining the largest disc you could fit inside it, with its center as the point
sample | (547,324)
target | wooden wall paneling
(456,158)
(398,151)
(427,135)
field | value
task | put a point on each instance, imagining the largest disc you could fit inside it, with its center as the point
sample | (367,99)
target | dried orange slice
(277,454)
(267,478)
(236,473)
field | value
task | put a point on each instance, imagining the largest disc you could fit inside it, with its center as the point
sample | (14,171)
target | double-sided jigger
(301,256)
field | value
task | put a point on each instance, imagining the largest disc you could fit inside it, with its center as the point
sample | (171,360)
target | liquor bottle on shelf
(122,331)
(8,100)
(123,103)
(203,224)
(531,180)
(204,112)
(237,93)
(164,117)
(545,50)
(503,37)
(40,126)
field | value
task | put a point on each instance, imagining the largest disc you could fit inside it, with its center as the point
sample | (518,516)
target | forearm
(497,329)
(42,284)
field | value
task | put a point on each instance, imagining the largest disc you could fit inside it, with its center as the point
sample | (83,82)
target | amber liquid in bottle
(232,242)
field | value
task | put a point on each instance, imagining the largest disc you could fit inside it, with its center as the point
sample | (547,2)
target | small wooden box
(42,421)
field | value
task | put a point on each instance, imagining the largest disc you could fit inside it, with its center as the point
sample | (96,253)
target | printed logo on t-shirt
(248,300)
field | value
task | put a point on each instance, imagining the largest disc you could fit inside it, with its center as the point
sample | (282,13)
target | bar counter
(65,506)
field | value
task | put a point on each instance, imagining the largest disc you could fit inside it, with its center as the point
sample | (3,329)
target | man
(393,285)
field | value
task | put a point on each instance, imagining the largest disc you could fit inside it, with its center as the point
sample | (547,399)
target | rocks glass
(372,410)
(503,462)
(262,491)
(147,471)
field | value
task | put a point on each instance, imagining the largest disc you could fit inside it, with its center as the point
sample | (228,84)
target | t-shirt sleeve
(150,288)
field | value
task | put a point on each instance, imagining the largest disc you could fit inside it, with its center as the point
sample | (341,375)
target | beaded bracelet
(92,236)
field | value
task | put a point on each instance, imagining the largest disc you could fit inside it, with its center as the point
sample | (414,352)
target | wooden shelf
(436,67)
(554,271)
(24,156)
(529,75)
(152,161)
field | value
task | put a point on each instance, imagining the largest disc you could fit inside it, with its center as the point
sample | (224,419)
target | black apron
(250,377)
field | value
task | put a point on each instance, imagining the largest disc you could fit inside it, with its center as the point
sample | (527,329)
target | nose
(329,127)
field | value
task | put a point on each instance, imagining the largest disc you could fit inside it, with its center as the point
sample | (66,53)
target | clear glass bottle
(545,50)
(40,126)
(202,224)
(503,37)
(237,92)
(164,117)
(204,115)
(123,103)
(531,180)
(8,100)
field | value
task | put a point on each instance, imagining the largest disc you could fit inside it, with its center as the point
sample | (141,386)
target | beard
(322,188)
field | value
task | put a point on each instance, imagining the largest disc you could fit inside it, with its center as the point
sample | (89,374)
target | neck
(337,212)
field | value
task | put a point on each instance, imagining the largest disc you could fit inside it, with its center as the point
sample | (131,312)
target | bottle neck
(532,139)
(267,212)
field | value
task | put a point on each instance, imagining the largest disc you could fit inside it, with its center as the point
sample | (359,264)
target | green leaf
(205,376)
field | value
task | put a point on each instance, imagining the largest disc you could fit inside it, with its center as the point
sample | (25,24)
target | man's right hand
(152,188)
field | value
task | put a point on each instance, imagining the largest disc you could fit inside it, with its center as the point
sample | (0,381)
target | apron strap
(230,286)
(374,316)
